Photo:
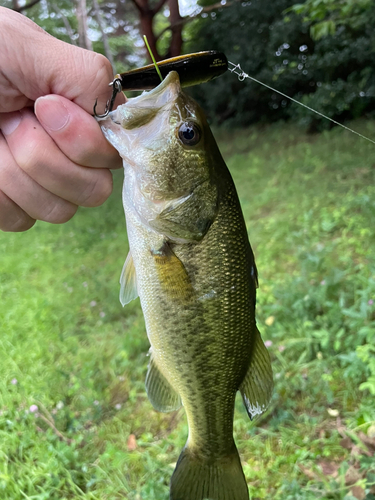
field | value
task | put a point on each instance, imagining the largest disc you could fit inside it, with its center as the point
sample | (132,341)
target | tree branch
(138,5)
(158,6)
(27,6)
(66,22)
(187,19)
(55,430)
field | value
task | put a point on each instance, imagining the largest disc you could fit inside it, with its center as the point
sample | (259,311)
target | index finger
(36,64)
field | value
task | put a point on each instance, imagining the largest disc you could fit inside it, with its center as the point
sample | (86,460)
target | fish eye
(189,133)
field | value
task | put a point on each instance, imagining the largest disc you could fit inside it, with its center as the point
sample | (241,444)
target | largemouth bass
(191,264)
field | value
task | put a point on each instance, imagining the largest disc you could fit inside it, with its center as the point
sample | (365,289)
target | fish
(191,264)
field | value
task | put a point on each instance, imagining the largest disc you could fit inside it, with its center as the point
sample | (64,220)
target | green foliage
(68,347)
(254,35)
(333,73)
(327,15)
(48,16)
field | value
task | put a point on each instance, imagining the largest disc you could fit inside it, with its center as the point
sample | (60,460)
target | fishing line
(237,70)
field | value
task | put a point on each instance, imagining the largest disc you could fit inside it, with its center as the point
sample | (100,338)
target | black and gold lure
(192,69)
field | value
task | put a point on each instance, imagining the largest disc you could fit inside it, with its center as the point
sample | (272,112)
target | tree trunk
(147,18)
(65,20)
(84,40)
(175,46)
(107,48)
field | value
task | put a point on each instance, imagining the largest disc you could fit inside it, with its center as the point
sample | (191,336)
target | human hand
(56,158)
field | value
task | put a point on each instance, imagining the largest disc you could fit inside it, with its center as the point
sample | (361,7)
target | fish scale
(192,266)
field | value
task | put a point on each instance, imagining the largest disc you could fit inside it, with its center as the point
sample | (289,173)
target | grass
(75,422)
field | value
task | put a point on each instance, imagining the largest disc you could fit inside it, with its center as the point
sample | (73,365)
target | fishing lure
(192,69)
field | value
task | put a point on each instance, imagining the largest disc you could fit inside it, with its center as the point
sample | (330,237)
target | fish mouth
(155,99)
(171,83)
(123,125)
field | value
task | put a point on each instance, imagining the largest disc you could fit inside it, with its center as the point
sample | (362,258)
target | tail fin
(197,479)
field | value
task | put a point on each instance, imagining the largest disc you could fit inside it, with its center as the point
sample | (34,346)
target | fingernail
(51,112)
(9,122)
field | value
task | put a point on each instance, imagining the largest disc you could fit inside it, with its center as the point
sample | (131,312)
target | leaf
(332,412)
(329,468)
(358,492)
(308,472)
(347,443)
(132,443)
(270,320)
(369,441)
(370,385)
(323,29)
(298,8)
(352,476)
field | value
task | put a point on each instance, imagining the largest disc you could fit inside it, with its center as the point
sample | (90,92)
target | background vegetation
(320,52)
(310,51)
(75,422)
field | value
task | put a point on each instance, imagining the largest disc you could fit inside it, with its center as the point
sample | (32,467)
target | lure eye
(189,133)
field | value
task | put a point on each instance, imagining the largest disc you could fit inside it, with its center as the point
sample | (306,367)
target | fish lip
(160,98)
(112,116)
(171,79)
(171,82)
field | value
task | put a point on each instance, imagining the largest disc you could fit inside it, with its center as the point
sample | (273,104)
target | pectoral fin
(128,281)
(173,277)
(189,218)
(257,386)
(159,391)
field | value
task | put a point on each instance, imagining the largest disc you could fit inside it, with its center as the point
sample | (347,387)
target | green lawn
(75,422)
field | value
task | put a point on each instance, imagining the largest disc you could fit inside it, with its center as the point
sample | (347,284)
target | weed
(75,422)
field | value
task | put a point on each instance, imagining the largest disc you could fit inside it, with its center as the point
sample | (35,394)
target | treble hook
(116,88)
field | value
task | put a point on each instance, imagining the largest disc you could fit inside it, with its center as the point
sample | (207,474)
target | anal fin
(128,281)
(256,388)
(159,391)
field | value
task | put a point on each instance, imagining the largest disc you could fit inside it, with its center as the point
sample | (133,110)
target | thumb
(37,64)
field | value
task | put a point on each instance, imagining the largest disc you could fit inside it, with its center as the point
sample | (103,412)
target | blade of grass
(152,57)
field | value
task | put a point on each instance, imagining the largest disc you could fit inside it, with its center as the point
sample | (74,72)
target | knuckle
(100,69)
(17,225)
(58,213)
(20,225)
(12,217)
(102,74)
(31,156)
(99,191)
(105,67)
